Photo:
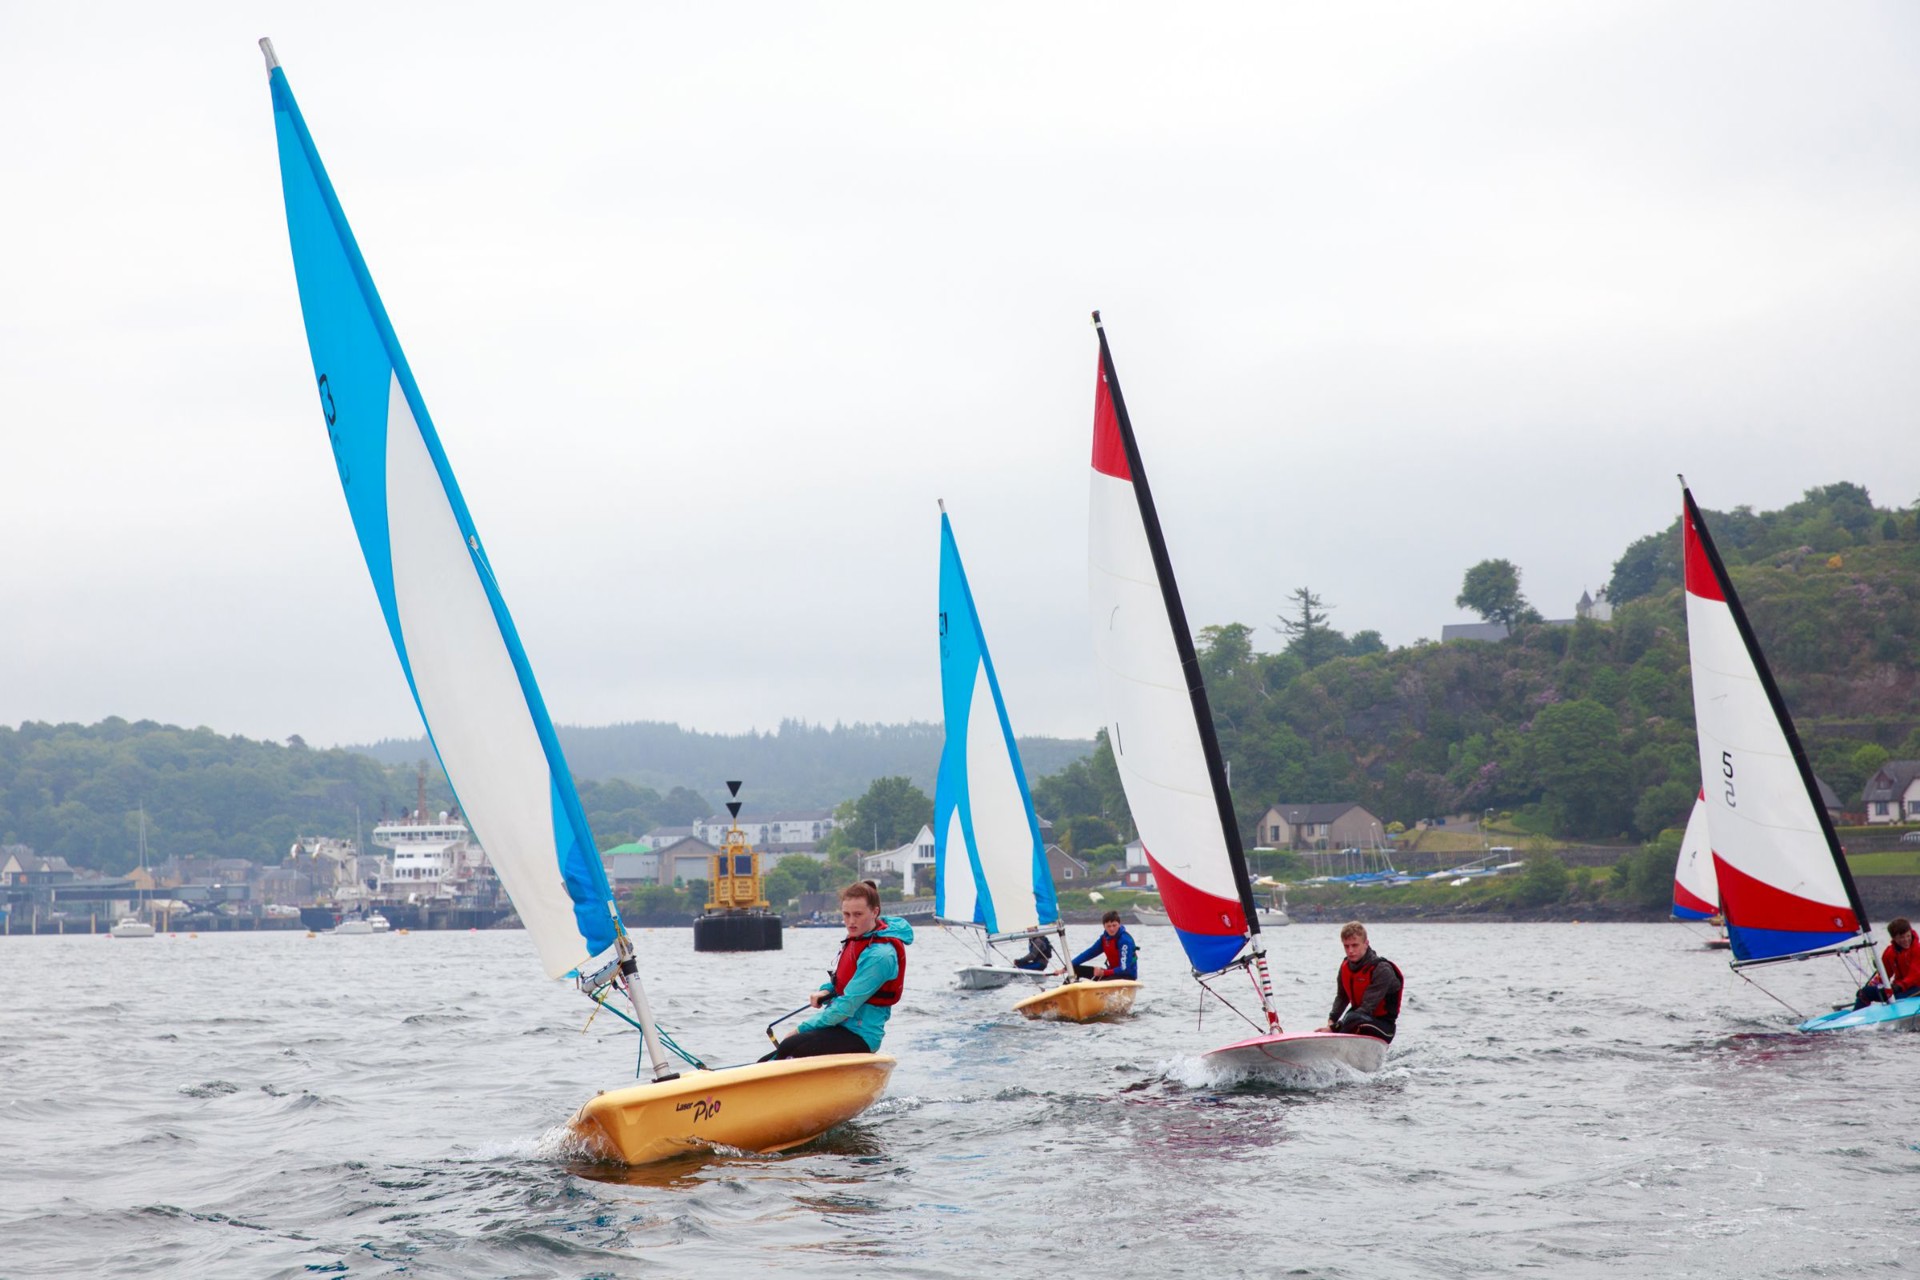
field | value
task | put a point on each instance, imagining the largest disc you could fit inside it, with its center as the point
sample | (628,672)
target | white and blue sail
(990,866)
(455,639)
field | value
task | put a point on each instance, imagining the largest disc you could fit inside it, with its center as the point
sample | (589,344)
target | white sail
(1782,887)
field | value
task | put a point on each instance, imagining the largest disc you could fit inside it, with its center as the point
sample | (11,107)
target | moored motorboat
(131,927)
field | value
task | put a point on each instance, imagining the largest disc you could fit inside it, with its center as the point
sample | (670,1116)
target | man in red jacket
(1366,997)
(1901,963)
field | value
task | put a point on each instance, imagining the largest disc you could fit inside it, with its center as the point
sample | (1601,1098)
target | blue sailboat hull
(1897,1015)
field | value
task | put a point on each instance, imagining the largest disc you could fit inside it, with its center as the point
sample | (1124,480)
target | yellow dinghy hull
(763,1106)
(1086,1001)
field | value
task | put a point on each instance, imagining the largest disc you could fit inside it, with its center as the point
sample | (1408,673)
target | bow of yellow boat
(1085,1001)
(763,1106)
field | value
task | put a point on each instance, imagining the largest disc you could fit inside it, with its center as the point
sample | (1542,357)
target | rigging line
(1230,1004)
(1776,999)
(600,1001)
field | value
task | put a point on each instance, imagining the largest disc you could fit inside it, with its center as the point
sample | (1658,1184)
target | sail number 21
(1726,772)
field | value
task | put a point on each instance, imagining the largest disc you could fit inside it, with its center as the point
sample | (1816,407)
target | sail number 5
(1726,772)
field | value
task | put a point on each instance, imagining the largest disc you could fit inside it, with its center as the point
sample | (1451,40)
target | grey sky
(711,302)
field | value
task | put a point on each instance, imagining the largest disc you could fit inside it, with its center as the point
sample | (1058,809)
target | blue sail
(455,639)
(990,867)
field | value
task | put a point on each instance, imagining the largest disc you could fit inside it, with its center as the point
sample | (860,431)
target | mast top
(1683,480)
(1096,321)
(266,48)
(943,505)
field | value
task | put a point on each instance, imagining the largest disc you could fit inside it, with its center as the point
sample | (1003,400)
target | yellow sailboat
(483,711)
(1082,1000)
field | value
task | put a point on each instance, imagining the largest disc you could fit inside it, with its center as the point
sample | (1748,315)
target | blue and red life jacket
(889,991)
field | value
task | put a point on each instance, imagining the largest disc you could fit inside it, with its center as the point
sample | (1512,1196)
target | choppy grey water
(1565,1099)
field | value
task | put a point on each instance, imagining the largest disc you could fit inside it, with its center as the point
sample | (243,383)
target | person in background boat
(1116,947)
(1366,996)
(1900,961)
(1039,954)
(858,996)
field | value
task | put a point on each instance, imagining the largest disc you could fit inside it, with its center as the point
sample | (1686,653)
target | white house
(771,831)
(907,861)
(1892,794)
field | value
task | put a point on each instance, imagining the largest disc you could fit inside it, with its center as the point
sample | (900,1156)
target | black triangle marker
(733,807)
(733,788)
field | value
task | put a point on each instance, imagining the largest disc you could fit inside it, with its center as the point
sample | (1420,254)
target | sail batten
(450,626)
(1159,723)
(990,865)
(1783,882)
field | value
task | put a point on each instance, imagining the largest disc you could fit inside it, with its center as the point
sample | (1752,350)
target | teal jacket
(850,1008)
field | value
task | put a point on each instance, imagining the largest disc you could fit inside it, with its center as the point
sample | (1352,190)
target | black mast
(1182,637)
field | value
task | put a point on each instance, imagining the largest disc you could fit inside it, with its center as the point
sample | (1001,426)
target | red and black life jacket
(1354,983)
(889,991)
(1903,967)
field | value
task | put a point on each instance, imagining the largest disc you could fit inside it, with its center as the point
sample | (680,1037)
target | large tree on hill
(1309,638)
(1492,590)
(890,813)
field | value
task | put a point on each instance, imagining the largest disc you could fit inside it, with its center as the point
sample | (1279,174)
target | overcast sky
(710,302)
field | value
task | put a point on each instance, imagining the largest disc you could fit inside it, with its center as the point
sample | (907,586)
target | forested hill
(1588,730)
(798,765)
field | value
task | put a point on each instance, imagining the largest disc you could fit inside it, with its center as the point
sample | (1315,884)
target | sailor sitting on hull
(858,998)
(1039,954)
(1116,947)
(1366,998)
(1901,961)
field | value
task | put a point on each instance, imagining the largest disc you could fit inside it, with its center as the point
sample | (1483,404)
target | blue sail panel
(981,796)
(450,627)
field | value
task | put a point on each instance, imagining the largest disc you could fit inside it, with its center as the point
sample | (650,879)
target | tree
(1577,756)
(1309,638)
(1492,590)
(891,812)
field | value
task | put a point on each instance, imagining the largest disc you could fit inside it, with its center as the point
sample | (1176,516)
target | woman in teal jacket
(866,982)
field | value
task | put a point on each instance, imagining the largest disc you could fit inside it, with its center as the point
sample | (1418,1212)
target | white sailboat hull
(1300,1052)
(981,977)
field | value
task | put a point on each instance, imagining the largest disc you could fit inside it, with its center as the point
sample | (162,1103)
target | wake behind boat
(483,711)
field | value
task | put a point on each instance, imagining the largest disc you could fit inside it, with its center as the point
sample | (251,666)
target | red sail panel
(1699,573)
(1109,452)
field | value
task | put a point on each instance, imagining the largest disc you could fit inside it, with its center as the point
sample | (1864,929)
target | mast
(1190,668)
(1785,721)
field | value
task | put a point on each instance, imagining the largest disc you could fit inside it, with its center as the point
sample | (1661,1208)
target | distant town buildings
(1594,607)
(1342,825)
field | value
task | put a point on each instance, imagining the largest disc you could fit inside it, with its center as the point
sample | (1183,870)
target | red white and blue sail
(1784,886)
(456,642)
(990,866)
(1158,721)
(1696,892)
